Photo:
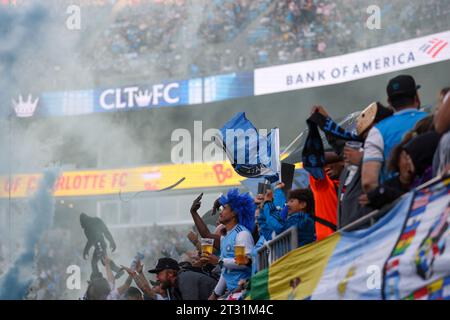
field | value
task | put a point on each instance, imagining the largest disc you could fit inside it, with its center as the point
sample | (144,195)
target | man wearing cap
(382,138)
(182,284)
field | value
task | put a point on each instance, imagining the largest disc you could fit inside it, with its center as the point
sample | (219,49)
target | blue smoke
(14,284)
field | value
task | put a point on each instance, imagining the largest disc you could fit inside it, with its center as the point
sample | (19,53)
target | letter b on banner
(374,20)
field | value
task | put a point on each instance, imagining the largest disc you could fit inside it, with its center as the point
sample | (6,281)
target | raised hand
(196,204)
(128,270)
(320,110)
(106,260)
(193,237)
(139,266)
(280,185)
(268,196)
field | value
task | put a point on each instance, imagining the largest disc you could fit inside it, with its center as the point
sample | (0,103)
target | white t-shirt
(374,146)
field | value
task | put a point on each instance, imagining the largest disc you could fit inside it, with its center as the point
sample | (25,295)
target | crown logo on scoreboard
(143,98)
(25,109)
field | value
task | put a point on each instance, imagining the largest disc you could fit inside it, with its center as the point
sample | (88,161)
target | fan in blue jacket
(300,206)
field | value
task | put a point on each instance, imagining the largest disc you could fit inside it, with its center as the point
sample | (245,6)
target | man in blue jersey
(382,138)
(237,215)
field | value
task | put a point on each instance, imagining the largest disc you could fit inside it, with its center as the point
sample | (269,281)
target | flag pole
(276,152)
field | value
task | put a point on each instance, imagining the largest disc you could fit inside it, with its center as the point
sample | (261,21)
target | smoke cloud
(15,282)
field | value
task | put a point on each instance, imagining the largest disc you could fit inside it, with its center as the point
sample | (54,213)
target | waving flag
(252,154)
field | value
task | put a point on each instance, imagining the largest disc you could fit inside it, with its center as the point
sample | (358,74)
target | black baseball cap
(164,264)
(402,86)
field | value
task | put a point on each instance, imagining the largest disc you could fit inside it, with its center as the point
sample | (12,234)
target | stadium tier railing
(274,249)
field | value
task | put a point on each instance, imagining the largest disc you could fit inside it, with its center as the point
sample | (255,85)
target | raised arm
(109,274)
(372,160)
(201,225)
(271,214)
(193,238)
(279,199)
(140,280)
(109,236)
(87,247)
(123,288)
(370,174)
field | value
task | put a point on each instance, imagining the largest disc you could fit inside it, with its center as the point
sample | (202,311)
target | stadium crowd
(208,37)
(177,39)
(392,150)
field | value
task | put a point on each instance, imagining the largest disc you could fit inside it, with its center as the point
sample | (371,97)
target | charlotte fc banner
(405,255)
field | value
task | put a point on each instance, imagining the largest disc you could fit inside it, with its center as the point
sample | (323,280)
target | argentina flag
(252,153)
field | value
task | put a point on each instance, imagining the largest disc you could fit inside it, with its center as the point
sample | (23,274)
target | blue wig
(241,204)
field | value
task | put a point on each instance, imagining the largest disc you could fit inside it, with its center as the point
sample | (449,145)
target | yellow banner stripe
(296,275)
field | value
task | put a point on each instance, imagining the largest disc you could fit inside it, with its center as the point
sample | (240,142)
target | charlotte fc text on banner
(136,97)
(405,255)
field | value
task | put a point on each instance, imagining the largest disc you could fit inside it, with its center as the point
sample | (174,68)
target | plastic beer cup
(207,246)
(239,254)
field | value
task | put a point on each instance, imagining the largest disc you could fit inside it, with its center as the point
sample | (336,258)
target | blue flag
(252,154)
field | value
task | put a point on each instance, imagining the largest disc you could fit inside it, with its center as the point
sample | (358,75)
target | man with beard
(182,284)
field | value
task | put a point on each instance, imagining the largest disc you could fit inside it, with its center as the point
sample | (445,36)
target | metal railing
(276,248)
